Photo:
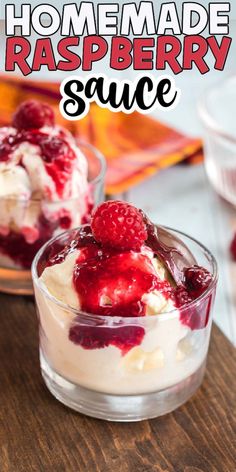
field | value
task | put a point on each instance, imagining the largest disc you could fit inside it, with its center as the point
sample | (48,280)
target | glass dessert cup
(160,371)
(217,112)
(18,249)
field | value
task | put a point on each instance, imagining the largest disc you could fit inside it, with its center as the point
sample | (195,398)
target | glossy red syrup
(19,250)
(195,317)
(113,284)
(109,282)
(15,246)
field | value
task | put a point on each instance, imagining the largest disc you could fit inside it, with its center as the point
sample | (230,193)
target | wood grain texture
(38,434)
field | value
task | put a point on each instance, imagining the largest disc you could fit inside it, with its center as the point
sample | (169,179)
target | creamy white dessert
(44,185)
(147,368)
(162,351)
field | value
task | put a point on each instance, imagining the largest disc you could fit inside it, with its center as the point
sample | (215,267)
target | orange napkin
(135,146)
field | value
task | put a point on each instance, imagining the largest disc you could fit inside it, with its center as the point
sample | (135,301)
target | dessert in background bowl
(49,182)
(125,312)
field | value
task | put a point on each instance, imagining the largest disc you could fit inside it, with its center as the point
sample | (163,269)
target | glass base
(123,408)
(15,281)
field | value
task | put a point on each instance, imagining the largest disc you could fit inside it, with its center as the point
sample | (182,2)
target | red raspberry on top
(119,224)
(233,248)
(33,115)
(197,279)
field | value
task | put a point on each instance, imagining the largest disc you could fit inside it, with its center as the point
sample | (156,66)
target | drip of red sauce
(197,317)
(15,246)
(19,250)
(97,337)
(79,238)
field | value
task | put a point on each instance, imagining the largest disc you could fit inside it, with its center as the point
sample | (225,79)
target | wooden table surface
(39,434)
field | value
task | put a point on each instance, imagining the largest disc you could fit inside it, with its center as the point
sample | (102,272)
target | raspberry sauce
(15,246)
(19,250)
(109,282)
(55,151)
(112,282)
(196,316)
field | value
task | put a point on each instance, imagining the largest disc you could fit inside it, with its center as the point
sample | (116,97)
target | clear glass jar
(37,221)
(149,380)
(217,111)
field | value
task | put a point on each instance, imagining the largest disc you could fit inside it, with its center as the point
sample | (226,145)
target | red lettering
(169,57)
(89,54)
(196,57)
(14,58)
(44,55)
(143,58)
(220,52)
(121,53)
(72,61)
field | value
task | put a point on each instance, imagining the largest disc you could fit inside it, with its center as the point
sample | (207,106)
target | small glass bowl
(18,249)
(217,111)
(151,379)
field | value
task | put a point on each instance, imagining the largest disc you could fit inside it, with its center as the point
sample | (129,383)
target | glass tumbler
(217,112)
(25,225)
(162,369)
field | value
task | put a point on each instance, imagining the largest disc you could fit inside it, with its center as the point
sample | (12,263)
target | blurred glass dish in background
(217,111)
(16,252)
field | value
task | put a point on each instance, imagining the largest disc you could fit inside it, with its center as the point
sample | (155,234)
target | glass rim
(96,180)
(206,115)
(111,320)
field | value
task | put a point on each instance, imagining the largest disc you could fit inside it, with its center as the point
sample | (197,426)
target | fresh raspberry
(197,280)
(233,248)
(119,224)
(181,297)
(33,115)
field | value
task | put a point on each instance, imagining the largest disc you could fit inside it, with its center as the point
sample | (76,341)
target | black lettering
(74,98)
(163,88)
